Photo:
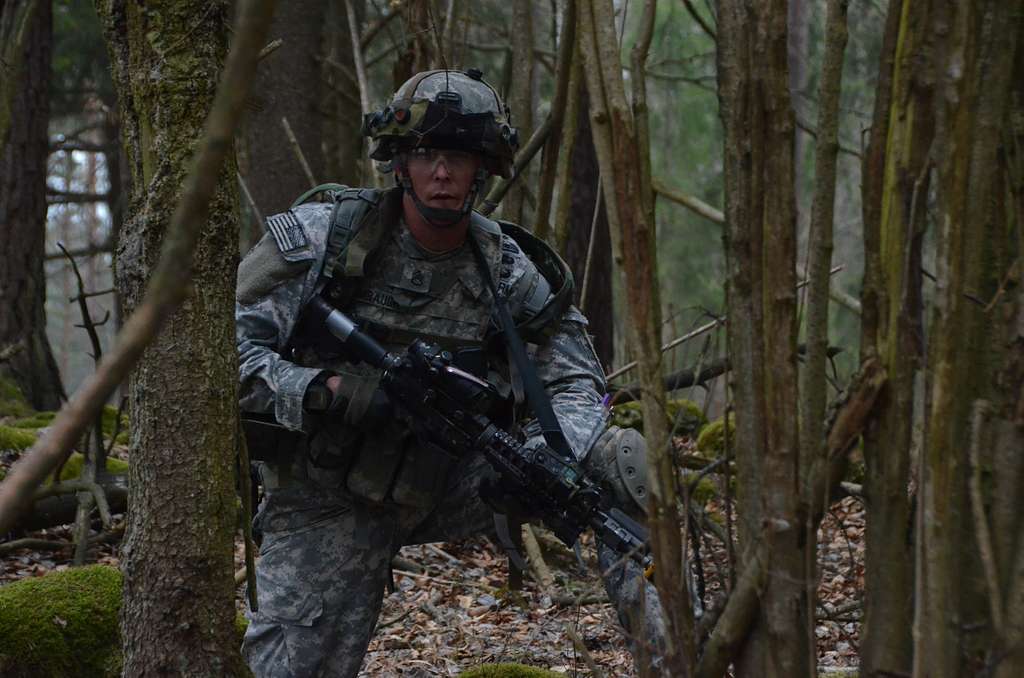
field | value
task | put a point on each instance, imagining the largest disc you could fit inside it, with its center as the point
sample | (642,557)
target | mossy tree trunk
(26,42)
(177,558)
(760,211)
(895,188)
(289,85)
(974,431)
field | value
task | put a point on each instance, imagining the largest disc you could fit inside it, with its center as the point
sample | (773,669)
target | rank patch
(287,231)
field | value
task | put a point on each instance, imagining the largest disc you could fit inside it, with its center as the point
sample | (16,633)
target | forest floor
(456,611)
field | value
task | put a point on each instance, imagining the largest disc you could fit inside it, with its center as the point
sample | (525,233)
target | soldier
(359,484)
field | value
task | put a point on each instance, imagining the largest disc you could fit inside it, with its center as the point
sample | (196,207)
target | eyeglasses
(454,160)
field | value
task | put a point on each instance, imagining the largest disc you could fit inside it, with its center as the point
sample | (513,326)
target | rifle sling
(535,393)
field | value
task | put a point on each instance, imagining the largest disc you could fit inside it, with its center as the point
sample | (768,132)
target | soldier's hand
(325,394)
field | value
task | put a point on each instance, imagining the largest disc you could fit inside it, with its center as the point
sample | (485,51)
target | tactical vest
(374,272)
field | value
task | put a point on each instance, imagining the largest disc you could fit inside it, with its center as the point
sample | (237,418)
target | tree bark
(585,173)
(620,134)
(421,47)
(895,185)
(288,85)
(966,351)
(760,211)
(177,560)
(342,128)
(26,42)
(520,101)
(813,385)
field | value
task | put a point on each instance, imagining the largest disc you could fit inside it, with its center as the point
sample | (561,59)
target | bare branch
(700,20)
(299,155)
(523,158)
(56,197)
(690,202)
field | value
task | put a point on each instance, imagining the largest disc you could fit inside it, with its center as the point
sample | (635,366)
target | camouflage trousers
(324,565)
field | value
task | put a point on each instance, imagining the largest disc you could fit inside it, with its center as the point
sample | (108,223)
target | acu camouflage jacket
(319,245)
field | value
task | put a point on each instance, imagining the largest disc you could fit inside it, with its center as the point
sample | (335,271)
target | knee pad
(619,460)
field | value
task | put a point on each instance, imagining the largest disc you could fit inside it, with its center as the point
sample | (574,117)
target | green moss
(705,491)
(683,416)
(109,421)
(509,671)
(37,420)
(628,415)
(241,624)
(73,467)
(12,438)
(711,441)
(12,400)
(63,624)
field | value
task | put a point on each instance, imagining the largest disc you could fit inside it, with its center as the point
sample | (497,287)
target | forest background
(825,197)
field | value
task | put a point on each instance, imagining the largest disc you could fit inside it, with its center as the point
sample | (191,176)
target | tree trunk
(26,41)
(620,133)
(1008,398)
(288,86)
(760,211)
(342,128)
(178,613)
(520,101)
(895,188)
(960,583)
(420,49)
(585,173)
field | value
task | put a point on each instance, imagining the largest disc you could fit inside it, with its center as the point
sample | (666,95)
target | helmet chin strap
(442,217)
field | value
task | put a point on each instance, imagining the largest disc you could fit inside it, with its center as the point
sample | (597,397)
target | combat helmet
(445,109)
(450,109)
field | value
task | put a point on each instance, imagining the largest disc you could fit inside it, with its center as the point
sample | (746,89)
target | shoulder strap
(320,188)
(535,393)
(351,206)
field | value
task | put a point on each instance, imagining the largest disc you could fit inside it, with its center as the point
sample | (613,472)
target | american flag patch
(287,231)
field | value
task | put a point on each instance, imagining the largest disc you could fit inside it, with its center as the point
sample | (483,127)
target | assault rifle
(450,407)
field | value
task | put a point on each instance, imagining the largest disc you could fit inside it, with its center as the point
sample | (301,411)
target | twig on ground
(581,647)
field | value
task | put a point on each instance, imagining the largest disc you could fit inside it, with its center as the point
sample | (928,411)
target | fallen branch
(169,285)
(35,544)
(57,503)
(581,647)
(541,571)
(688,377)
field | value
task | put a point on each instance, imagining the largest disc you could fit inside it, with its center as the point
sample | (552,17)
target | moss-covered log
(63,625)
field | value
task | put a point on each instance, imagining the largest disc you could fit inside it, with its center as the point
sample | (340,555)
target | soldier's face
(442,178)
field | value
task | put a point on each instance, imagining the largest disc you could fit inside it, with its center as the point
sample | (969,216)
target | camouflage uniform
(352,496)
